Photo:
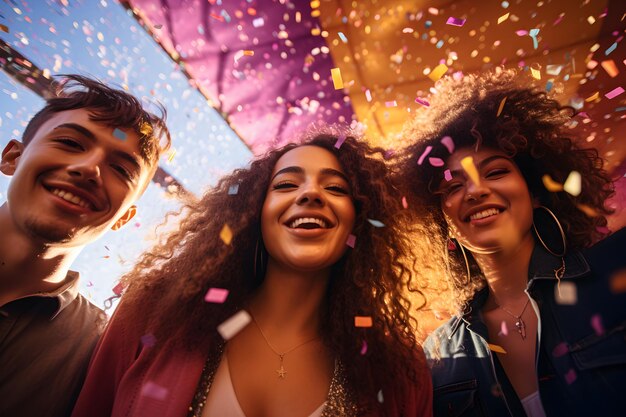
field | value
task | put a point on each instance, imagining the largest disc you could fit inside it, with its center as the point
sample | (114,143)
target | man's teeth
(484,213)
(297,222)
(67,196)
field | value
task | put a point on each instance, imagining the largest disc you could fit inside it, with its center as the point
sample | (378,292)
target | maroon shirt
(46,341)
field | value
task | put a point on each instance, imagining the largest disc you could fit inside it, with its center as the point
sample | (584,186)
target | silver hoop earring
(558,224)
(457,244)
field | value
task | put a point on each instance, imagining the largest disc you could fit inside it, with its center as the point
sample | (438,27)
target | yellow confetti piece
(468,165)
(593,97)
(589,211)
(618,281)
(496,348)
(362,321)
(501,107)
(503,18)
(550,184)
(171,157)
(438,72)
(573,183)
(226,235)
(536,73)
(337,81)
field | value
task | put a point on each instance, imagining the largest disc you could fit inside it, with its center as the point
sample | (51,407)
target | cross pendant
(521,327)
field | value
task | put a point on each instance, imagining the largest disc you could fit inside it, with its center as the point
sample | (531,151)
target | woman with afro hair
(539,326)
(281,293)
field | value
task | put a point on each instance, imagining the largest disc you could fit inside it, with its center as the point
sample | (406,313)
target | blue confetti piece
(549,85)
(439,44)
(233,189)
(376,223)
(533,34)
(620,108)
(610,48)
(119,134)
(428,24)
(225,15)
(342,37)
(505,4)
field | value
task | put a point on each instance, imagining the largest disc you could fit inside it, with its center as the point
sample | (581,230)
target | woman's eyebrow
(324,171)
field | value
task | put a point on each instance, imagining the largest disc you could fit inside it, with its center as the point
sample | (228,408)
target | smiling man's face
(75,179)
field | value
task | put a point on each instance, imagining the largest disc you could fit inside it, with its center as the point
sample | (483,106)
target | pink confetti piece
(152,390)
(391,103)
(405,204)
(436,162)
(448,143)
(560,350)
(596,323)
(216,295)
(424,154)
(447,175)
(351,240)
(118,289)
(340,140)
(148,340)
(364,348)
(368,95)
(614,93)
(570,376)
(504,330)
(453,21)
(521,32)
(422,102)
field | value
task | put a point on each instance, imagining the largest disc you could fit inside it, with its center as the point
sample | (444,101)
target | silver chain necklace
(519,322)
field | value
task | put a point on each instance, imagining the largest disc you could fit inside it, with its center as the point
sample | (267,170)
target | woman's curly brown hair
(534,130)
(169,282)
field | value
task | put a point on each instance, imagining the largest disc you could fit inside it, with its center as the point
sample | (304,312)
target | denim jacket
(581,349)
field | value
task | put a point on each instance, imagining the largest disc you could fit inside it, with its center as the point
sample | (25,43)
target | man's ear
(10,156)
(130,213)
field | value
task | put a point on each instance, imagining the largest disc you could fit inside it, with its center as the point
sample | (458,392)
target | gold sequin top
(338,404)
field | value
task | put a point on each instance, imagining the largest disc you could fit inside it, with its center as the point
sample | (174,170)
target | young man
(84,159)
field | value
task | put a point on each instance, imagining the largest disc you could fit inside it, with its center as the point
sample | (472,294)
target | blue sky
(99,38)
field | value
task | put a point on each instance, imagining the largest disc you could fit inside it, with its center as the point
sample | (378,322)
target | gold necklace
(519,322)
(282,373)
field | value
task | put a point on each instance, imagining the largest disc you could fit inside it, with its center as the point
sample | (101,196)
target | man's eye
(70,142)
(125,173)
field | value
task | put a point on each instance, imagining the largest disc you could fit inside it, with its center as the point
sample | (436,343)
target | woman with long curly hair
(538,329)
(304,246)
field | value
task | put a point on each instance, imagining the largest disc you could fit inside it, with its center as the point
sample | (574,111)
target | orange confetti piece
(550,184)
(496,348)
(468,165)
(593,97)
(503,18)
(362,321)
(589,211)
(4,28)
(226,235)
(438,72)
(501,107)
(610,68)
(618,281)
(337,80)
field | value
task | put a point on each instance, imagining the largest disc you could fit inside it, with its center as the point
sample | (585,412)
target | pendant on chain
(281,372)
(521,327)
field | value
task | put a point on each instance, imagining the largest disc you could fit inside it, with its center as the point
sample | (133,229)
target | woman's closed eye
(284,185)
(497,172)
(337,188)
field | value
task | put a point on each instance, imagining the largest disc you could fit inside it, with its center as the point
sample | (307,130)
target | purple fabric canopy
(269,97)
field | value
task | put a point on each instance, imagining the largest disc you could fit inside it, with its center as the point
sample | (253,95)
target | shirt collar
(64,295)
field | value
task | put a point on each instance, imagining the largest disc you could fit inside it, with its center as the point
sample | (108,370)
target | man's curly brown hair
(167,285)
(532,129)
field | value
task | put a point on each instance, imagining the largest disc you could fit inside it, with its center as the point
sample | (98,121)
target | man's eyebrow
(323,171)
(91,136)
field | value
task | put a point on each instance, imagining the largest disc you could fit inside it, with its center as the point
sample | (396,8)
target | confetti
(596,323)
(453,21)
(368,95)
(159,26)
(438,72)
(241,54)
(448,143)
(391,103)
(342,37)
(155,391)
(422,102)
(504,330)
(573,183)
(171,156)
(4,28)
(468,165)
(362,321)
(570,376)
(340,140)
(589,211)
(424,154)
(376,223)
(550,184)
(337,81)
(549,85)
(614,93)
(229,328)
(565,293)
(610,48)
(148,340)
(610,68)
(119,134)
(533,34)
(447,175)
(233,189)
(560,350)
(503,18)
(436,162)
(535,72)
(351,240)
(591,20)
(226,234)
(118,289)
(258,22)
(593,97)
(216,295)
(364,348)
(496,348)
(405,204)
(617,282)
(380,396)
(553,69)
(500,107)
